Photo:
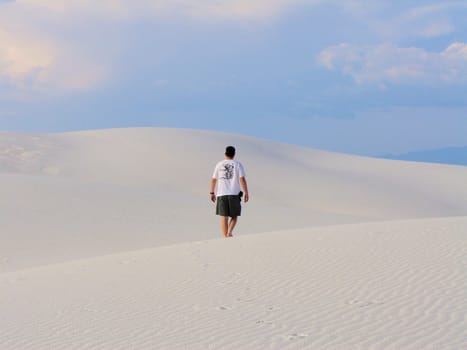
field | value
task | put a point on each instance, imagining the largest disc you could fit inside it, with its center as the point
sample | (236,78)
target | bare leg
(232,223)
(225,225)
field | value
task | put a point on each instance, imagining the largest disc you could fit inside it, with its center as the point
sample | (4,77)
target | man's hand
(213,189)
(245,188)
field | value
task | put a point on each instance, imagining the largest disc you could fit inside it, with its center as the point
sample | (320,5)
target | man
(227,181)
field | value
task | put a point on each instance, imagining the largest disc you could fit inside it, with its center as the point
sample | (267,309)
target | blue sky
(358,76)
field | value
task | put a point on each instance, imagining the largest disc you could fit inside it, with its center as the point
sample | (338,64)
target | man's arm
(245,188)
(212,188)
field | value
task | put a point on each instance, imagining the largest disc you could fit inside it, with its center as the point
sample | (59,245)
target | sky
(366,77)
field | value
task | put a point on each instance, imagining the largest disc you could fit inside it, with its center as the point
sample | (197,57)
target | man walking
(226,184)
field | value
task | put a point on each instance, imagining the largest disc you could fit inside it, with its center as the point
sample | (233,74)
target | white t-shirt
(228,173)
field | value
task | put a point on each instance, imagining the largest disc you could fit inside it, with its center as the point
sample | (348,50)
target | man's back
(228,173)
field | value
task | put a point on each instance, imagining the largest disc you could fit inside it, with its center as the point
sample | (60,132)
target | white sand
(70,200)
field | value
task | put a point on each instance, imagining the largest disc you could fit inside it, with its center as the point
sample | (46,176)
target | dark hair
(230,151)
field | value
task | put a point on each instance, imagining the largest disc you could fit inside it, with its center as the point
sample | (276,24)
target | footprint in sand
(273,308)
(264,322)
(224,308)
(296,336)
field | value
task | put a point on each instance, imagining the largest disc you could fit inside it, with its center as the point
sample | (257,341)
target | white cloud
(435,29)
(37,56)
(124,9)
(390,64)
(247,9)
(428,21)
(41,46)
(393,20)
(20,56)
(30,61)
(422,11)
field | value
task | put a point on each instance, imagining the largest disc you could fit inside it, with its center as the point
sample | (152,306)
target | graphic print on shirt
(228,171)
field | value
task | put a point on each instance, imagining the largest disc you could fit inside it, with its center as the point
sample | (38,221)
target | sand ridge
(82,194)
(355,286)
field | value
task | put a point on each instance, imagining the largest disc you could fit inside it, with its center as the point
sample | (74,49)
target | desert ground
(108,240)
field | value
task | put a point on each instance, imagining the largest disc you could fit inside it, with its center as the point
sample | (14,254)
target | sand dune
(83,194)
(109,241)
(388,285)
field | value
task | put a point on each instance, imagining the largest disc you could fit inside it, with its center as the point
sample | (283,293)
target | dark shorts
(228,206)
